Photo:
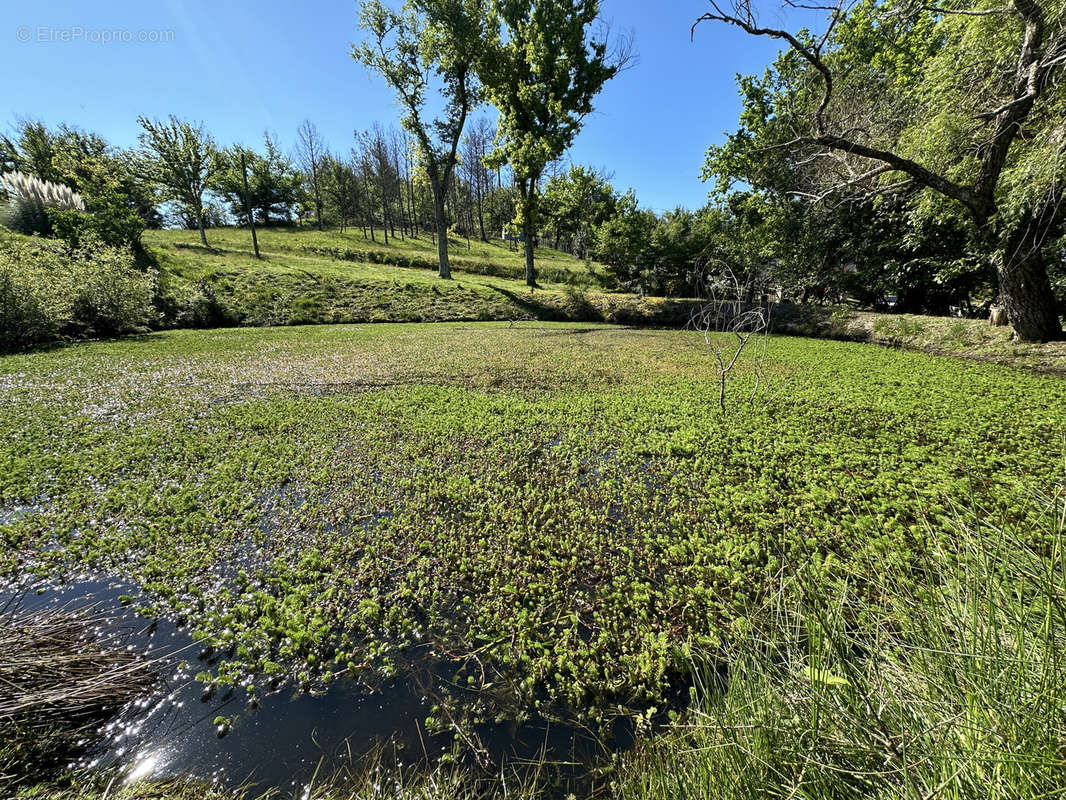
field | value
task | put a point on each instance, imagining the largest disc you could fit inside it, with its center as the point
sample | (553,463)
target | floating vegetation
(559,521)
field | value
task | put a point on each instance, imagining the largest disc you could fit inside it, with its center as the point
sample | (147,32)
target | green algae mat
(560,516)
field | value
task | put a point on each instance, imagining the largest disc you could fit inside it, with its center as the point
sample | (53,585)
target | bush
(204,309)
(29,201)
(111,222)
(48,291)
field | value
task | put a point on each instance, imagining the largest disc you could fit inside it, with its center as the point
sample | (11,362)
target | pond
(283,737)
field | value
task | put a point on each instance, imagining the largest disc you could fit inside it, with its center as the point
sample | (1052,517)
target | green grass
(307,276)
(947,681)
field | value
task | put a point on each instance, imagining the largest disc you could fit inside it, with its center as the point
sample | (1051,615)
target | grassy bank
(309,276)
(972,339)
(327,277)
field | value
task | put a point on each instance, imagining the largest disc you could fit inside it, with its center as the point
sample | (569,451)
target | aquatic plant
(552,518)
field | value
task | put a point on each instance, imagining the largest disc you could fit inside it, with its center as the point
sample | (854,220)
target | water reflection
(280,739)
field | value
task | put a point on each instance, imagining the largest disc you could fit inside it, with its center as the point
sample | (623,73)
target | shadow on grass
(823,322)
(537,310)
(63,344)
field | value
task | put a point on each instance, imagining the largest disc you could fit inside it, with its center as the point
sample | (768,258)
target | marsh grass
(947,680)
(57,682)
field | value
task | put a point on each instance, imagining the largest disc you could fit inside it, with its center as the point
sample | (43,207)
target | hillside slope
(309,276)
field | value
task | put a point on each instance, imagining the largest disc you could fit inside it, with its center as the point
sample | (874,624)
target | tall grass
(28,199)
(57,683)
(947,680)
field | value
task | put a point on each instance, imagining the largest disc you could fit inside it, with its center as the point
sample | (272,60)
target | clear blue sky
(243,67)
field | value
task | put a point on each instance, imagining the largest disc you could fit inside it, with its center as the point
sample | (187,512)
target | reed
(57,683)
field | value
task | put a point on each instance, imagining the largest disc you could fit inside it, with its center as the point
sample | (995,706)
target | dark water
(170,732)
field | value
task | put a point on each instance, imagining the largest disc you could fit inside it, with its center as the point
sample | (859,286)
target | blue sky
(243,67)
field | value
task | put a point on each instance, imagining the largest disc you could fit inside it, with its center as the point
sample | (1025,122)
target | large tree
(957,105)
(429,45)
(182,160)
(547,61)
(575,203)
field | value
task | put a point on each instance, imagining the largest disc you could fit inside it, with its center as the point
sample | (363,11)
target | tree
(575,203)
(182,160)
(427,39)
(310,152)
(119,205)
(957,104)
(541,70)
(622,241)
(476,146)
(340,190)
(273,182)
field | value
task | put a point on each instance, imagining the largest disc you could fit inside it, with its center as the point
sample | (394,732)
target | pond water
(289,735)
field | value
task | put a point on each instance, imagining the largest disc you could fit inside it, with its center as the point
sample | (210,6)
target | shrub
(111,221)
(32,302)
(205,309)
(48,290)
(29,199)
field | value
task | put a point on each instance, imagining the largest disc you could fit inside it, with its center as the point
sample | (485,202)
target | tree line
(904,155)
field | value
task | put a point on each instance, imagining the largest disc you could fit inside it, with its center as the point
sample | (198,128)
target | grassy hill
(308,276)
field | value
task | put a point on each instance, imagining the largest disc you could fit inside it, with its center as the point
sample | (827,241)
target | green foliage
(32,302)
(622,239)
(203,308)
(181,160)
(467,494)
(947,679)
(274,184)
(105,176)
(898,329)
(48,290)
(937,89)
(429,44)
(110,221)
(541,69)
(575,204)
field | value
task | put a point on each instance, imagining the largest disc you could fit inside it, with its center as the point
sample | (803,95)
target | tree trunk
(526,188)
(318,195)
(1026,294)
(248,206)
(440,223)
(480,213)
(1024,286)
(369,214)
(527,233)
(384,214)
(200,224)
